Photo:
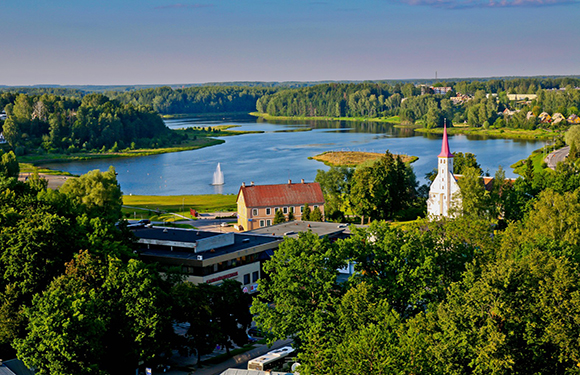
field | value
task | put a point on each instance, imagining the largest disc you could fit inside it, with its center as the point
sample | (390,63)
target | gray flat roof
(243,244)
(292,228)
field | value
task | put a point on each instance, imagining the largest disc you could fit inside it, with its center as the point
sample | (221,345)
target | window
(254,212)
(246,279)
(301,209)
(276,209)
(268,211)
(255,276)
(285,210)
(268,222)
(261,223)
(315,206)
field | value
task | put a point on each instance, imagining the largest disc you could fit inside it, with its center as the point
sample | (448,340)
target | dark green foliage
(305,212)
(279,217)
(205,99)
(97,318)
(462,161)
(384,189)
(215,314)
(316,214)
(65,123)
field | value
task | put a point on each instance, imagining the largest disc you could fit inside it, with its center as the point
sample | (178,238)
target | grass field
(392,119)
(537,161)
(148,206)
(538,134)
(55,158)
(354,158)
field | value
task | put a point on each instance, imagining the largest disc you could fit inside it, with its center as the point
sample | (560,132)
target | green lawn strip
(56,158)
(392,119)
(174,203)
(203,115)
(537,157)
(222,357)
(538,134)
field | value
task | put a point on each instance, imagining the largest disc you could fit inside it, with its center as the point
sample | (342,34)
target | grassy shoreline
(538,134)
(157,207)
(505,133)
(391,120)
(36,159)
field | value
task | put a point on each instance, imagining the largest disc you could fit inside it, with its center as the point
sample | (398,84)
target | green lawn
(179,204)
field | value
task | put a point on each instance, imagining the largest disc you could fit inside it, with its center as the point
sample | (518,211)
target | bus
(270,360)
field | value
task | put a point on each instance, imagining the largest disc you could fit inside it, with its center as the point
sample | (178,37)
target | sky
(129,42)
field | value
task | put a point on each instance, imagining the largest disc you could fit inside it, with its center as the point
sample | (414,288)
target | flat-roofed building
(257,204)
(207,257)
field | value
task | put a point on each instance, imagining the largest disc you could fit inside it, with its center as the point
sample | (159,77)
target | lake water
(279,155)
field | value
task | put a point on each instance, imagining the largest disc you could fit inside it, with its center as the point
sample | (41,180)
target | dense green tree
(382,190)
(9,166)
(301,286)
(335,185)
(279,217)
(475,199)
(316,214)
(305,212)
(100,317)
(98,193)
(463,161)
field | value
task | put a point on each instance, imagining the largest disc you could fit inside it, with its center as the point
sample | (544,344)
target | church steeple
(445,153)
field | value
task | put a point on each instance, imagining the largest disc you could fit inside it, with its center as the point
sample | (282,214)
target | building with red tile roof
(257,204)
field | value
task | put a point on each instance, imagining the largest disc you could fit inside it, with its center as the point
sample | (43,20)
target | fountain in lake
(218,176)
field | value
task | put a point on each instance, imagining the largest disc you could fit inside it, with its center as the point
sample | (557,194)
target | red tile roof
(296,194)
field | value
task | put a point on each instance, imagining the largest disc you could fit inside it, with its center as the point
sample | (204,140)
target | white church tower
(444,191)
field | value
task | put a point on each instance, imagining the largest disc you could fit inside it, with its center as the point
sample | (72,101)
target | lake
(281,154)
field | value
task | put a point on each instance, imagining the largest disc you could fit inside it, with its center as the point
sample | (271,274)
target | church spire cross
(445,153)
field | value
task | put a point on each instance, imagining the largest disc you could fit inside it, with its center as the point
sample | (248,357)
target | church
(444,191)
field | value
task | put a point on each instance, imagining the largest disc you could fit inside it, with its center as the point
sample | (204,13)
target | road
(557,156)
(239,361)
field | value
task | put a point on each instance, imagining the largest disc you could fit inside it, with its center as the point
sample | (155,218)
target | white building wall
(444,191)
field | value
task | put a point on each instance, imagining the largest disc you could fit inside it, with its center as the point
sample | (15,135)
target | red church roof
(445,153)
(296,194)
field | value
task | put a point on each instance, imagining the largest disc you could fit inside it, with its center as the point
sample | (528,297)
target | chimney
(289,182)
(252,183)
(302,181)
(243,184)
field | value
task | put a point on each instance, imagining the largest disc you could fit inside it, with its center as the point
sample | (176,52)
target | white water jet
(218,176)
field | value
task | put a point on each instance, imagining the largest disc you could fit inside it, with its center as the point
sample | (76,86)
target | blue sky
(179,41)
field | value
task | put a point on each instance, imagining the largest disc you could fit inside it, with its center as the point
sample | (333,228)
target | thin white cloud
(464,4)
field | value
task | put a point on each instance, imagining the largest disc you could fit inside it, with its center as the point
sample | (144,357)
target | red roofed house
(257,204)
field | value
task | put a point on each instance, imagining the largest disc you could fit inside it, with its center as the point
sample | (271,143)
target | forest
(481,104)
(52,123)
(76,299)
(494,290)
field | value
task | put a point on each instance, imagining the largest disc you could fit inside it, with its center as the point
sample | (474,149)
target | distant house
(257,204)
(522,96)
(2,139)
(574,119)
(545,117)
(3,115)
(557,118)
(440,90)
(530,115)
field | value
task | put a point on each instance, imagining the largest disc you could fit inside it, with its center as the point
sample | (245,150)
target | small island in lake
(354,158)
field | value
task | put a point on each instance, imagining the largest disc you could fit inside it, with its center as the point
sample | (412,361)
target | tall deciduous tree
(382,190)
(301,287)
(100,317)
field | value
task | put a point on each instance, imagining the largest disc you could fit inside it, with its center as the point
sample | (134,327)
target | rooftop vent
(246,240)
(289,182)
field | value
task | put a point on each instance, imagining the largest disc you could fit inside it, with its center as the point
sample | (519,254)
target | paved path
(557,156)
(239,361)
